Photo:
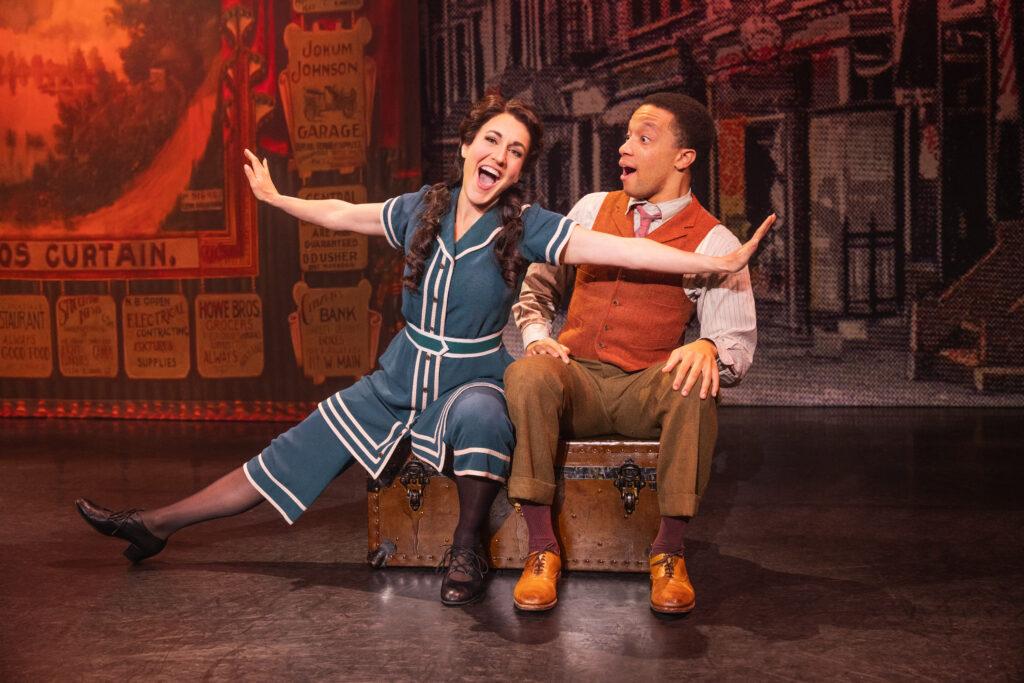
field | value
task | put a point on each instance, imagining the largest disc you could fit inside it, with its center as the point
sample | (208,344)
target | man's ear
(684,159)
(462,151)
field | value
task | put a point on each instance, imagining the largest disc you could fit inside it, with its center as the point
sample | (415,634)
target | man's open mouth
(626,170)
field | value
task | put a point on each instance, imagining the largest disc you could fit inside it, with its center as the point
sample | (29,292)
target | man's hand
(693,360)
(548,347)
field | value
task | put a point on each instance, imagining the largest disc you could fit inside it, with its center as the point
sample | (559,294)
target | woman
(440,382)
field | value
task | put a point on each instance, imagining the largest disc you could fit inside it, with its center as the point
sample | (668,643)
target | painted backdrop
(137,275)
(886,134)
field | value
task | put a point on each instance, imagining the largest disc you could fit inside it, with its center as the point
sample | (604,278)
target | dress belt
(453,346)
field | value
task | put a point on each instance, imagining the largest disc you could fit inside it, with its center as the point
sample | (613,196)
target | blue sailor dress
(450,345)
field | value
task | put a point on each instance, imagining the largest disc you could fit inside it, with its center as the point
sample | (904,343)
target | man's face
(651,157)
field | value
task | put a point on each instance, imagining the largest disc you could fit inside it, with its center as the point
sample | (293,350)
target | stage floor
(833,543)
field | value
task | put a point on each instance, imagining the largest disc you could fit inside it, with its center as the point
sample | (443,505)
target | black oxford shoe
(465,562)
(124,524)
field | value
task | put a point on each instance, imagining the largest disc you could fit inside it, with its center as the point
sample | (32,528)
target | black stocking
(229,495)
(475,497)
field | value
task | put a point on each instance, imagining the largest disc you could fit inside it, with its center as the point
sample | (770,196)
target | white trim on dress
(266,495)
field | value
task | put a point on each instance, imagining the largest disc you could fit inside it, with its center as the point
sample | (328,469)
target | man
(615,367)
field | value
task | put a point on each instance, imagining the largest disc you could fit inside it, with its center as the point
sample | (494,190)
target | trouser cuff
(531,490)
(678,504)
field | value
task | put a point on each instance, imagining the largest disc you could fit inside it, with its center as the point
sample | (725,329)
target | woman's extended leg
(290,473)
(230,495)
(147,530)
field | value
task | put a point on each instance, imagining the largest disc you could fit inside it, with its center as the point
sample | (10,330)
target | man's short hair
(693,126)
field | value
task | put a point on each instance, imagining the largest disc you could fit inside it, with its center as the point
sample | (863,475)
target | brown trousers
(585,398)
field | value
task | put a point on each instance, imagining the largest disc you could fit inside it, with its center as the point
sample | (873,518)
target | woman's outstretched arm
(590,246)
(333,214)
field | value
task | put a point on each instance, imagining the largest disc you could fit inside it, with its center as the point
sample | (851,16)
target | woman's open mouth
(487,177)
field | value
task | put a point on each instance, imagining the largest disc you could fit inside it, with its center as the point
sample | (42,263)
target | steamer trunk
(606,511)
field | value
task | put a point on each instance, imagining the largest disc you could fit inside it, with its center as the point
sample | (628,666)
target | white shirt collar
(668,208)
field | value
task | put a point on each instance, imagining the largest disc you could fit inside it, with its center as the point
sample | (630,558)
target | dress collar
(479,235)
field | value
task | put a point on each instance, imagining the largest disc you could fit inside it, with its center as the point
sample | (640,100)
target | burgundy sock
(538,522)
(670,536)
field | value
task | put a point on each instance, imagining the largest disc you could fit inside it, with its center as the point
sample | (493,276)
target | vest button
(615,302)
(600,344)
(606,327)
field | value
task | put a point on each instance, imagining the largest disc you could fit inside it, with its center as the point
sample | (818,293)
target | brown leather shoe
(537,588)
(671,590)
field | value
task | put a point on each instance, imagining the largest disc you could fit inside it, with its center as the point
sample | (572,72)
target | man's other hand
(549,347)
(698,359)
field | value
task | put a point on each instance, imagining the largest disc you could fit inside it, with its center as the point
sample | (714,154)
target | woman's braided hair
(438,197)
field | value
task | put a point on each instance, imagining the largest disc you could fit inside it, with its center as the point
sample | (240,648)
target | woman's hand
(259,179)
(737,260)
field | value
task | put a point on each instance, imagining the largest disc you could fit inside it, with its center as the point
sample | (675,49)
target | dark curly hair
(438,197)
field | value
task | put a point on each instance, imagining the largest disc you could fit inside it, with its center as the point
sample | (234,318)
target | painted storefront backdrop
(853,214)
(886,134)
(137,275)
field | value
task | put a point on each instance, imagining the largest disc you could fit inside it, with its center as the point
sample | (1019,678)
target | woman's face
(494,159)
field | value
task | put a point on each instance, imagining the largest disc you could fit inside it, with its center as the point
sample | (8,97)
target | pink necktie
(647,216)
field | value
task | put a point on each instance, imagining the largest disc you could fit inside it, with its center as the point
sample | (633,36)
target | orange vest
(633,318)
